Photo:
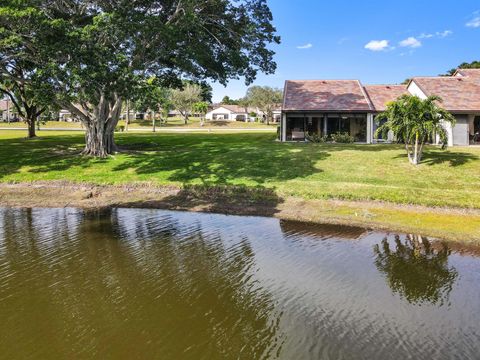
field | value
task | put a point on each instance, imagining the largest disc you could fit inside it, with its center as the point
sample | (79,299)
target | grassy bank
(308,172)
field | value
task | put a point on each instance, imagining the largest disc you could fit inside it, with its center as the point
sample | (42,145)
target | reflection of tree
(416,270)
(173,288)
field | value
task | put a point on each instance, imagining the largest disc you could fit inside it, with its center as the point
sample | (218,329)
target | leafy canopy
(92,48)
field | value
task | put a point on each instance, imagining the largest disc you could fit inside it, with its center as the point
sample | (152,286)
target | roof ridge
(399,85)
(312,80)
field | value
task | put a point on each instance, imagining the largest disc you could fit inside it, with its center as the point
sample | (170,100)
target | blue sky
(373,41)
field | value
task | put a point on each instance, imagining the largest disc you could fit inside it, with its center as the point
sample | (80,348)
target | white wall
(415,90)
(219,111)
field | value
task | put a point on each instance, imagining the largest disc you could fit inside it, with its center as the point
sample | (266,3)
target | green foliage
(227,101)
(96,53)
(465,65)
(200,108)
(316,138)
(151,96)
(415,120)
(184,99)
(207,91)
(342,138)
(266,98)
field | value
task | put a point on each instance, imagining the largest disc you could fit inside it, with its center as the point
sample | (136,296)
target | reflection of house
(326,107)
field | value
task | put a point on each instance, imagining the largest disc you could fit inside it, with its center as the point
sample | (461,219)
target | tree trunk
(100,127)
(99,142)
(152,114)
(30,118)
(415,152)
(127,118)
(31,128)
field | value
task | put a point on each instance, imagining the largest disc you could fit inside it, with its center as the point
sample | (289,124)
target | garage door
(461,131)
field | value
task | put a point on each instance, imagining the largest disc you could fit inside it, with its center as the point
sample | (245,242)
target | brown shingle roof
(233,108)
(458,93)
(473,74)
(325,95)
(380,95)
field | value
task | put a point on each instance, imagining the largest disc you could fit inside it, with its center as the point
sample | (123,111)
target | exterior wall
(230,116)
(369,128)
(415,90)
(460,132)
(318,122)
(283,128)
(217,112)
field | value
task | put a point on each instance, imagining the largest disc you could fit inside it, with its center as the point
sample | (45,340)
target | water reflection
(321,231)
(415,269)
(142,284)
(112,276)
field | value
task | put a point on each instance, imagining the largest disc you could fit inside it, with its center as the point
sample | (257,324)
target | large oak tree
(96,51)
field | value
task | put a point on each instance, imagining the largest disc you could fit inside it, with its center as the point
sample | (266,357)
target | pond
(154,284)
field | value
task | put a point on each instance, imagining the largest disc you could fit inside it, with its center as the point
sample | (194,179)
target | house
(326,107)
(461,97)
(240,113)
(7,111)
(228,112)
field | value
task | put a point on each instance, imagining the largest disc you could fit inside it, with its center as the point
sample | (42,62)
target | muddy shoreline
(444,223)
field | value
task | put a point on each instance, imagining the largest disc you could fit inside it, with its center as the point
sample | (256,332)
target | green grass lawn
(147,124)
(311,171)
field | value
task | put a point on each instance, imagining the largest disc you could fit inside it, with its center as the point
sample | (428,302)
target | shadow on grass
(43,154)
(452,158)
(233,200)
(437,157)
(227,159)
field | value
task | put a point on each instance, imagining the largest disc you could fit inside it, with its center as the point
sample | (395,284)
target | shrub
(120,128)
(316,138)
(344,138)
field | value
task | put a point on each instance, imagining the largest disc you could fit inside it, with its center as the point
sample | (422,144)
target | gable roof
(380,95)
(325,95)
(459,93)
(233,108)
(471,73)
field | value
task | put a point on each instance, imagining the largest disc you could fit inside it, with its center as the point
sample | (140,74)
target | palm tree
(201,108)
(415,120)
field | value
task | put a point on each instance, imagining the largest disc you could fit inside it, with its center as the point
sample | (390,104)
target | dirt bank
(450,224)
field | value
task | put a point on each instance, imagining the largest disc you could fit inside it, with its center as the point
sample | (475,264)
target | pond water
(152,284)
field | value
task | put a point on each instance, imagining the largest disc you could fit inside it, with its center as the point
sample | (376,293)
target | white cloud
(377,45)
(443,34)
(438,34)
(425,36)
(410,42)
(474,23)
(306,46)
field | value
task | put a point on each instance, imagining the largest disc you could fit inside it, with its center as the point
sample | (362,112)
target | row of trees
(89,56)
(155,99)
(265,98)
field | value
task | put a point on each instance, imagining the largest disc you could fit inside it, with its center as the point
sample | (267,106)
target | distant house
(7,111)
(239,113)
(228,113)
(326,107)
